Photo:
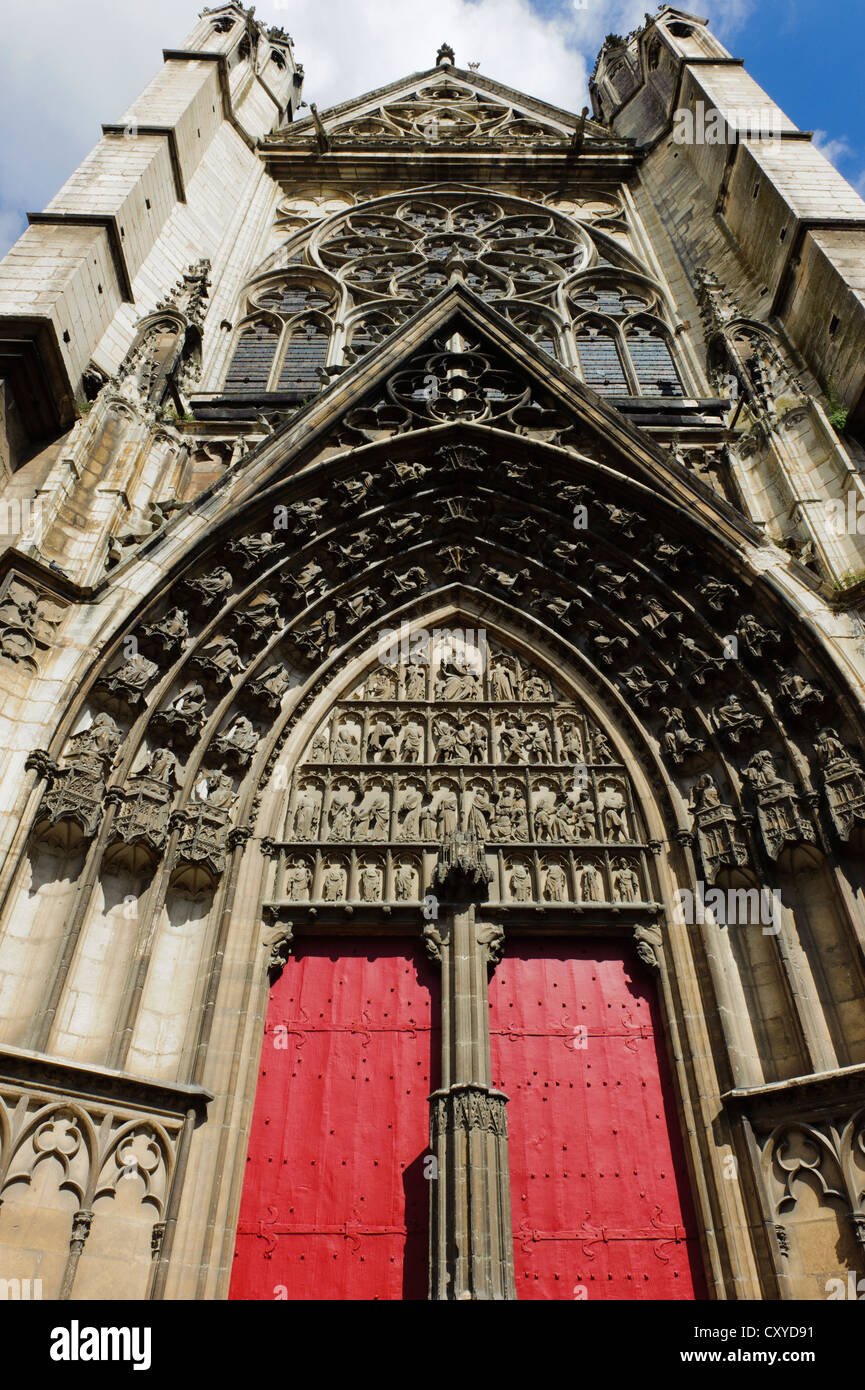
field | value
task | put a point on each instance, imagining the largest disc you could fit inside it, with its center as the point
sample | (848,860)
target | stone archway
(461,788)
(164,767)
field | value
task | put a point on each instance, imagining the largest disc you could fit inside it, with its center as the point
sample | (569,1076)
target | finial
(445,56)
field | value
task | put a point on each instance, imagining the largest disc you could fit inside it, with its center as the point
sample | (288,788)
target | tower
(431,639)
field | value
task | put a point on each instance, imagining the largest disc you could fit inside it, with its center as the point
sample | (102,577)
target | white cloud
(67,67)
(840,151)
(835,150)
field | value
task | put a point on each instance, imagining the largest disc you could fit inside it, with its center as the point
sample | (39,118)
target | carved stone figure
(415,682)
(572,744)
(456,681)
(447,749)
(658,619)
(380,685)
(239,742)
(513,742)
(697,663)
(643,690)
(170,631)
(843,782)
(189,703)
(666,554)
(297,883)
(614,815)
(718,596)
(270,687)
(648,940)
(409,813)
(555,884)
(161,766)
(411,743)
(521,884)
(95,745)
(261,619)
(217,789)
(762,773)
(306,814)
(626,885)
(404,883)
(308,582)
(370,820)
(731,719)
(501,682)
(478,812)
(582,817)
(779,816)
(830,749)
(754,637)
(704,795)
(341,812)
(428,823)
(678,743)
(346,747)
(797,691)
(253,550)
(591,884)
(615,586)
(333,884)
(210,588)
(130,680)
(601,750)
(382,744)
(447,820)
(608,649)
(219,660)
(538,747)
(370,884)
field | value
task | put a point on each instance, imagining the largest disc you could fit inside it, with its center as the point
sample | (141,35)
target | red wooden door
(599,1192)
(335,1203)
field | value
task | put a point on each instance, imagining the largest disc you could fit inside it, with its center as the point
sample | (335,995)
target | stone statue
(332,884)
(415,682)
(306,814)
(614,815)
(521,884)
(411,743)
(404,883)
(555,884)
(591,884)
(297,883)
(161,766)
(447,818)
(370,885)
(626,885)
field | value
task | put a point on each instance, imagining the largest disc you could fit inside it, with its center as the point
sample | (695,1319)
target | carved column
(471,1240)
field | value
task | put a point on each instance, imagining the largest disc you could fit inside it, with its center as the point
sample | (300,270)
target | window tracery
(350,278)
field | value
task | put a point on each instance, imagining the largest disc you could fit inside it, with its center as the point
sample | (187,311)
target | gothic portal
(431,633)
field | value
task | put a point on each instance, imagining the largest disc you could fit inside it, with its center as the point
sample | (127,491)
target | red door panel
(599,1190)
(335,1204)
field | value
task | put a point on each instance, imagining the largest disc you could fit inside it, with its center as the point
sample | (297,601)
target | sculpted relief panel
(463,737)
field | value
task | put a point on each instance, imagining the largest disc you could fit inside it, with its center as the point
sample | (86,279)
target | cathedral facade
(431,643)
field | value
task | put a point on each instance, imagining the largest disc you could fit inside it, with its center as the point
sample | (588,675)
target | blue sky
(68,65)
